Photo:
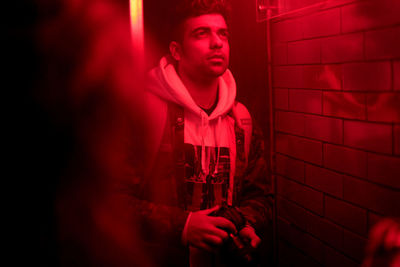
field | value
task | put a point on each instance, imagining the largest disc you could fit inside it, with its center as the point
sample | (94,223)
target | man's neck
(203,91)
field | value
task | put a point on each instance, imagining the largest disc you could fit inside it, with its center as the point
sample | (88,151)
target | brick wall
(336,88)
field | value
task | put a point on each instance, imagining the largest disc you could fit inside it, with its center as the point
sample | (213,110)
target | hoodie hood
(165,83)
(216,130)
(200,130)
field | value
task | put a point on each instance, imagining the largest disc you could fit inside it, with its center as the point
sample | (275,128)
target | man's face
(204,51)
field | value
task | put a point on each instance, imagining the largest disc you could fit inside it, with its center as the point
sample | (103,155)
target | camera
(235,251)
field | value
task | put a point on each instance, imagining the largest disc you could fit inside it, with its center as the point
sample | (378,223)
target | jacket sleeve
(256,198)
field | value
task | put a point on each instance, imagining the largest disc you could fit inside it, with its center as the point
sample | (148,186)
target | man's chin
(217,70)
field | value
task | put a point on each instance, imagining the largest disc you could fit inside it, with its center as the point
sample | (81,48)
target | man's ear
(175,50)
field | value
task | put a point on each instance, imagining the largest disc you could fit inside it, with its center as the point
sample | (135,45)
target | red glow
(336,88)
(93,91)
(337,114)
(137,30)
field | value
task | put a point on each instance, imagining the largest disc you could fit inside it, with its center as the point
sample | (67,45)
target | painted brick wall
(336,91)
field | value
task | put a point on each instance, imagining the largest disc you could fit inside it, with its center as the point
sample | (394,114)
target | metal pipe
(271,130)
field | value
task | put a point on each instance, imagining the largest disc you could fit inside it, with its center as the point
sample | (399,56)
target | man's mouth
(216,59)
(217,56)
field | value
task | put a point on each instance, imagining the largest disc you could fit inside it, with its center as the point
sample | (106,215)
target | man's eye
(200,34)
(224,34)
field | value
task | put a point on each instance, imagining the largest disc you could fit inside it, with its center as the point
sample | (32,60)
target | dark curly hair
(194,8)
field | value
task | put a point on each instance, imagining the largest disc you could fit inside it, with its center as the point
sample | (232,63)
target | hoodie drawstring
(205,157)
(218,143)
(203,147)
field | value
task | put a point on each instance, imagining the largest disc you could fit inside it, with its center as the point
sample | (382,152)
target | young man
(205,151)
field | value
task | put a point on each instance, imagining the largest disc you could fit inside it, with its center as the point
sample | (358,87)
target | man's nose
(216,41)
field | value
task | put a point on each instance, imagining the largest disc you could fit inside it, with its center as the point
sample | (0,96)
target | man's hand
(249,235)
(208,232)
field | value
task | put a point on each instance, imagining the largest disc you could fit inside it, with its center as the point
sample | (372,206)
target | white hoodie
(216,130)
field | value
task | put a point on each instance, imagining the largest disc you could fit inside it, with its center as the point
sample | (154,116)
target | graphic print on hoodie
(209,140)
(205,191)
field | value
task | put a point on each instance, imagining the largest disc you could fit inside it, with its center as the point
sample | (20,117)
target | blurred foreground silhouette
(85,133)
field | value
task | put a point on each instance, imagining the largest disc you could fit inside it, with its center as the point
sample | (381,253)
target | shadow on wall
(337,122)
(371,14)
